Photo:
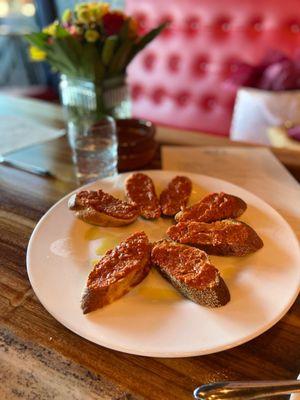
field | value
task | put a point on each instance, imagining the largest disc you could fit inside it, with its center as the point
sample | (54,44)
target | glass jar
(85,102)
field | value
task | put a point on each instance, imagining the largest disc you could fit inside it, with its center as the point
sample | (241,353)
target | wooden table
(42,358)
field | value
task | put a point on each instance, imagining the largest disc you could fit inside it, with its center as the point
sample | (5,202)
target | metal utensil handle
(245,390)
(32,169)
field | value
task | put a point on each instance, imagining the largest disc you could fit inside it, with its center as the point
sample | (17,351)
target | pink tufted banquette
(180,79)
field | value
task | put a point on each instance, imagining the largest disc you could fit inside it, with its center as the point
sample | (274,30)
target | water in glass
(95,152)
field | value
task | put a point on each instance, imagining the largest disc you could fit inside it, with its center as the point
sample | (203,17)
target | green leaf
(68,47)
(88,58)
(38,39)
(62,53)
(146,39)
(123,34)
(91,63)
(75,46)
(108,49)
(121,57)
(58,65)
(99,70)
(61,32)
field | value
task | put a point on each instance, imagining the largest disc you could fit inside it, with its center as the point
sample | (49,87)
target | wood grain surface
(29,332)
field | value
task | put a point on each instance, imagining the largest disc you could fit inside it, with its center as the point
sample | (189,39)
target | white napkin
(256,110)
(17,133)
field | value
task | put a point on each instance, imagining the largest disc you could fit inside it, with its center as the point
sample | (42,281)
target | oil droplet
(93,233)
(156,288)
(107,243)
(229,272)
(197,194)
(152,293)
(93,262)
(229,267)
(159,187)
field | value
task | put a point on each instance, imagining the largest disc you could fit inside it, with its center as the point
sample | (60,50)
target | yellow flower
(103,9)
(83,15)
(97,10)
(91,35)
(36,54)
(81,6)
(51,29)
(91,12)
(67,15)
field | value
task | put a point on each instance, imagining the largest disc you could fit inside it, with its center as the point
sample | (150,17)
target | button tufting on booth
(181,79)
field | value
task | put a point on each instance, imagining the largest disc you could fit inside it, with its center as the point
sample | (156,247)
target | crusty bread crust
(208,290)
(101,219)
(99,208)
(213,297)
(213,207)
(117,272)
(140,191)
(95,297)
(225,238)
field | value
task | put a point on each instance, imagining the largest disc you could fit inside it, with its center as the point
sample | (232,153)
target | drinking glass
(95,151)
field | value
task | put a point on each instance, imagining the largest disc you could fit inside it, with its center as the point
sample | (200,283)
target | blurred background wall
(63,4)
(17,17)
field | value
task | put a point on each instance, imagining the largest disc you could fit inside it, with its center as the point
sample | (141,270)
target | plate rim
(162,354)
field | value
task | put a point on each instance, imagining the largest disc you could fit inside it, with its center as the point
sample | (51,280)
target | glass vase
(86,102)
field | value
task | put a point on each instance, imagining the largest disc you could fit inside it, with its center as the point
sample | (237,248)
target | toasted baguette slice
(214,207)
(140,191)
(100,208)
(117,272)
(190,271)
(176,196)
(228,237)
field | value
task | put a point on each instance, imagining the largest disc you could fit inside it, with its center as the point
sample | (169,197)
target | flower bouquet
(268,95)
(91,42)
(91,48)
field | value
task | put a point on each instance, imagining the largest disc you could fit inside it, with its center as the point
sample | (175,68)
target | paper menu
(18,132)
(255,169)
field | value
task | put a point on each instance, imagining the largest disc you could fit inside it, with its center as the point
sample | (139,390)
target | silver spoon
(245,390)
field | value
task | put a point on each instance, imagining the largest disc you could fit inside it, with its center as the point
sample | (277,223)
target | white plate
(153,320)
